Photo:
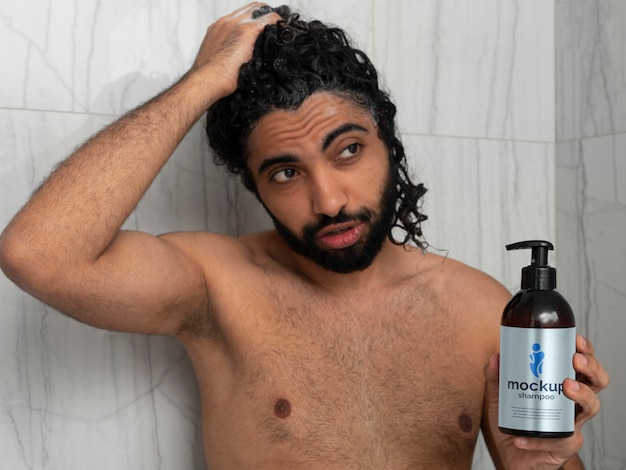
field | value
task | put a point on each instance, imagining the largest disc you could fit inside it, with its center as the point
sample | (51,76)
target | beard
(356,257)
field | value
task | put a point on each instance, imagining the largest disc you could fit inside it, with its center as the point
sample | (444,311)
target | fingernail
(574,386)
(521,442)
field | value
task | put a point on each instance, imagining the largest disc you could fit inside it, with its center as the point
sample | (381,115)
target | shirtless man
(323,344)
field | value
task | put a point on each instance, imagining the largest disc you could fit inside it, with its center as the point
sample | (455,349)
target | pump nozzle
(538,275)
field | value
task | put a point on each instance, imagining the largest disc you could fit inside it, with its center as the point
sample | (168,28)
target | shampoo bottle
(537,344)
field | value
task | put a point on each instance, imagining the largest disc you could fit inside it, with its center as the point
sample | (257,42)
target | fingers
(589,370)
(559,449)
(255,11)
(228,43)
(591,378)
(586,399)
(248,10)
(263,10)
(492,369)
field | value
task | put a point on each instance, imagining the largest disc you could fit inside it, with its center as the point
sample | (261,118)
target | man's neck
(384,269)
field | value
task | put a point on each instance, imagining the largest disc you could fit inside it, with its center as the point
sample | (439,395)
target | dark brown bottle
(537,343)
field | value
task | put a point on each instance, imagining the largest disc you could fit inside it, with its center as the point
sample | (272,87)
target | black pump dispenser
(537,276)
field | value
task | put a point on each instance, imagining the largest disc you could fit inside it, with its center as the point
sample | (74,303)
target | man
(330,342)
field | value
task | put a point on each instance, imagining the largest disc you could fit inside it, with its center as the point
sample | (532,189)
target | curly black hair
(293,59)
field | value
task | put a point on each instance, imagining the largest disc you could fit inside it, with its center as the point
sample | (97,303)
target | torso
(295,376)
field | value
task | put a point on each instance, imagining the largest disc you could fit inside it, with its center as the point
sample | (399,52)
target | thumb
(492,393)
(492,369)
(492,374)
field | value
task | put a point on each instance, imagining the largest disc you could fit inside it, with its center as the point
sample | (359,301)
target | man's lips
(342,235)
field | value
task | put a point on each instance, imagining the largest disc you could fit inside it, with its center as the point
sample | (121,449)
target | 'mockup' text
(540,386)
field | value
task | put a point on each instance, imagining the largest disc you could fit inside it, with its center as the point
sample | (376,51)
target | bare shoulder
(200,245)
(473,296)
(453,276)
(229,266)
(219,255)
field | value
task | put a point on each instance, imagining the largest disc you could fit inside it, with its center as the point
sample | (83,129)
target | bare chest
(365,380)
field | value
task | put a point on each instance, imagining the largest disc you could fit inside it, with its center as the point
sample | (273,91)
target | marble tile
(591,227)
(97,57)
(31,143)
(355,17)
(83,398)
(130,400)
(106,57)
(469,69)
(475,87)
(482,459)
(482,195)
(590,68)
(590,187)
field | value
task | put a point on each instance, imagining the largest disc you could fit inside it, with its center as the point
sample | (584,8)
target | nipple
(465,423)
(282,408)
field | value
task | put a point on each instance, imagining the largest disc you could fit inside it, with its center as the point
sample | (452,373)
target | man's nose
(328,195)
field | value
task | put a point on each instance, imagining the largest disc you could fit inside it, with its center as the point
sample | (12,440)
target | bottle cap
(537,276)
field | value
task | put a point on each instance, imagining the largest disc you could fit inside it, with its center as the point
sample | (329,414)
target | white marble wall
(591,197)
(499,146)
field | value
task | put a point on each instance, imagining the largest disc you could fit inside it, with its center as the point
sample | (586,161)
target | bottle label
(534,362)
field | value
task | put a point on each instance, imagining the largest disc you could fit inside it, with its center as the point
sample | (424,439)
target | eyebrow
(269,162)
(348,127)
(288,158)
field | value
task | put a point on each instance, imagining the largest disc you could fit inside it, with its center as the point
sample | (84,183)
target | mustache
(363,215)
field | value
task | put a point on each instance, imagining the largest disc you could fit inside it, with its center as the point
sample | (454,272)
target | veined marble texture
(512,113)
(470,69)
(591,222)
(590,72)
(591,198)
(482,195)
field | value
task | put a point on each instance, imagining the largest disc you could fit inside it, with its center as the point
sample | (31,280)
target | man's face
(323,174)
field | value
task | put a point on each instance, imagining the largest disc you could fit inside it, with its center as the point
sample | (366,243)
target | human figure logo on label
(536,360)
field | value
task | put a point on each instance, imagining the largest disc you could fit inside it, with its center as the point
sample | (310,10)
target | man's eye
(350,151)
(284,175)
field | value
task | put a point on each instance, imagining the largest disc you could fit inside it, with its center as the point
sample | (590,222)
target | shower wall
(512,114)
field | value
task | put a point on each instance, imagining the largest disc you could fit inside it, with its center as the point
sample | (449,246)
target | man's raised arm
(65,245)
